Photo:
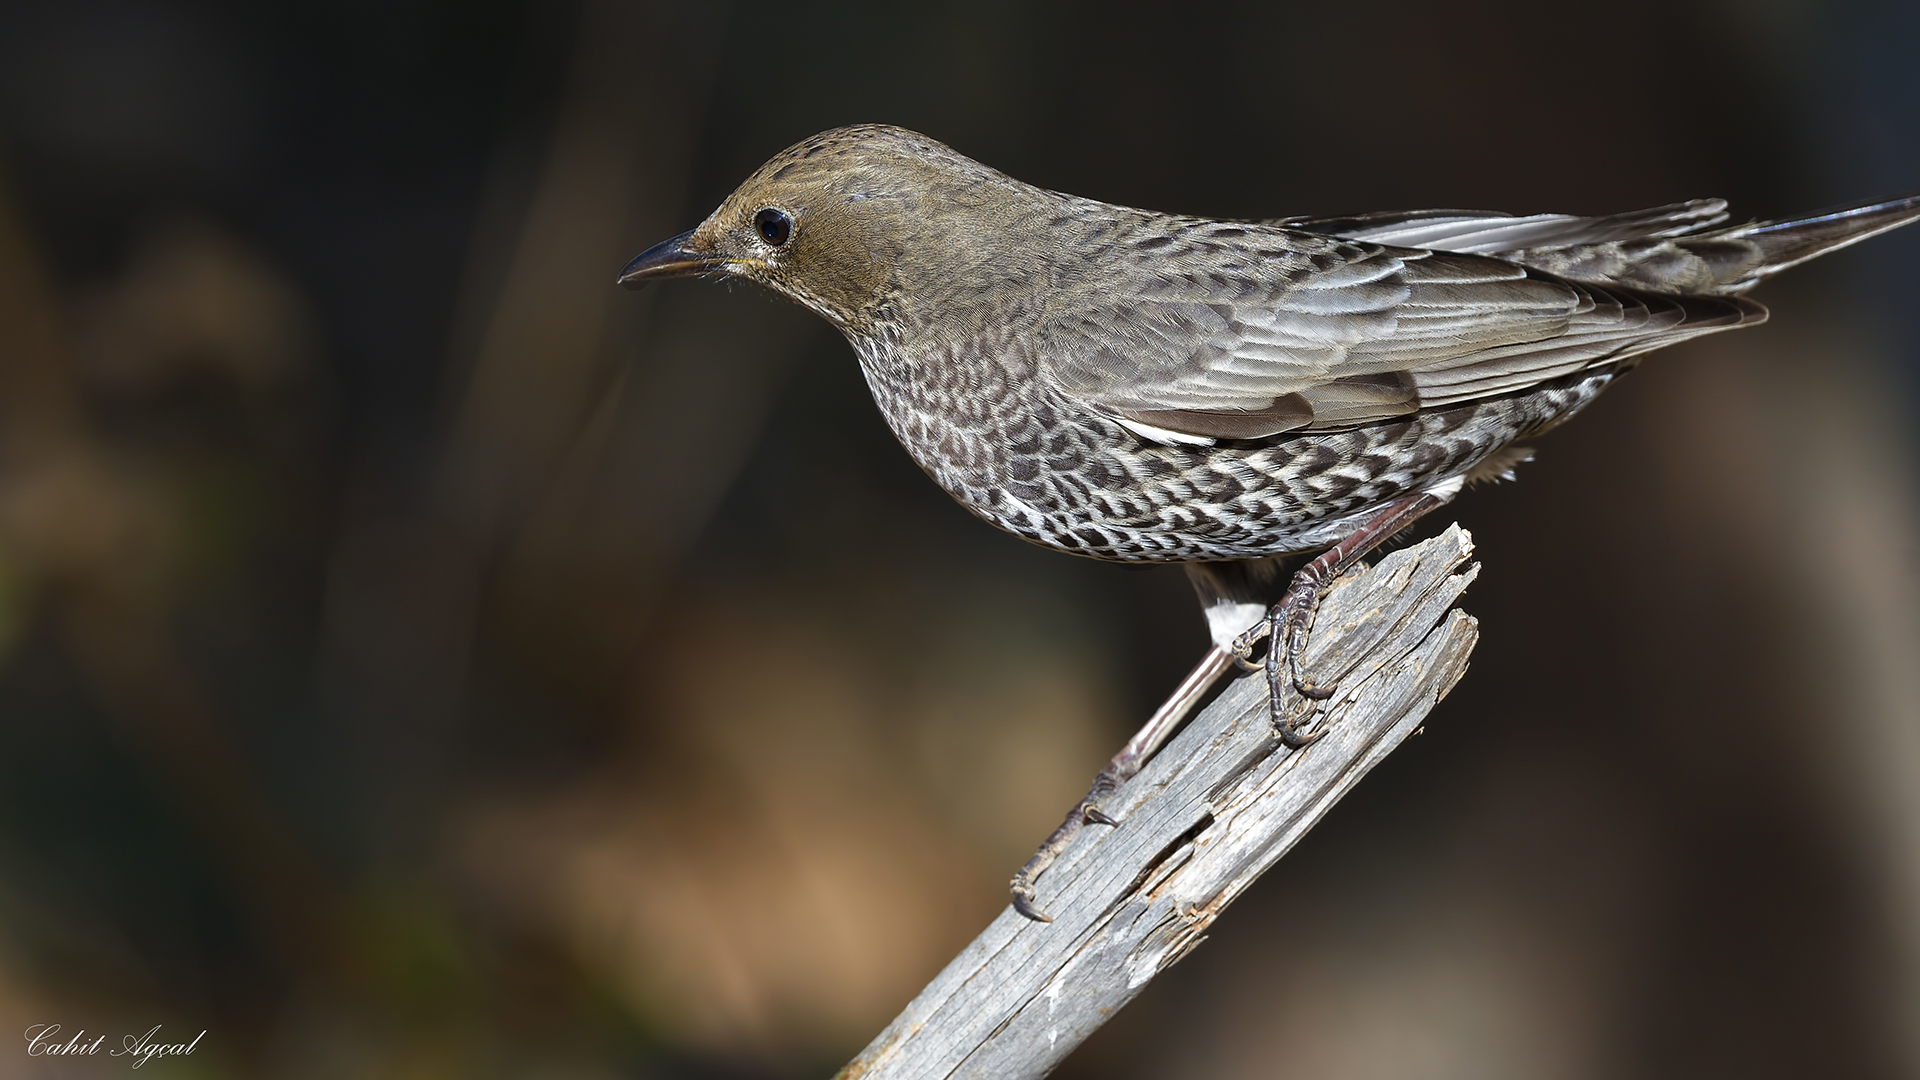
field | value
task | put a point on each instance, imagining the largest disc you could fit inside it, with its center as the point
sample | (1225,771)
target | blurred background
(420,658)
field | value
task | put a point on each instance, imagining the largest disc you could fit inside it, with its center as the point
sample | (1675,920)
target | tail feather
(1482,232)
(1720,262)
(1786,244)
(1677,249)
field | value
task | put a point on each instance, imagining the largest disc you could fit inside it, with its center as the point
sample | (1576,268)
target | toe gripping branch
(1021,886)
(1287,625)
(1285,631)
(1122,768)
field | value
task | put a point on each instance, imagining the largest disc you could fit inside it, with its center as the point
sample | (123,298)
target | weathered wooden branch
(1218,806)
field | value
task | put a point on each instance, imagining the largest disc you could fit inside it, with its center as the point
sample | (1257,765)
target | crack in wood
(1218,806)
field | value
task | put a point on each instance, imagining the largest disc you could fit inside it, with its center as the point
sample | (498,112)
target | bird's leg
(1122,768)
(1286,625)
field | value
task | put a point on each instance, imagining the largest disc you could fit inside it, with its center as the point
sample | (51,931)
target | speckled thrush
(1146,387)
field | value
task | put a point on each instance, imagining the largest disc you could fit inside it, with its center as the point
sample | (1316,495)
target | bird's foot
(1124,766)
(1242,647)
(1285,631)
(1083,814)
(1287,627)
(1293,722)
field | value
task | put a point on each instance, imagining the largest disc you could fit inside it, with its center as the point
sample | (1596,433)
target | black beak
(669,258)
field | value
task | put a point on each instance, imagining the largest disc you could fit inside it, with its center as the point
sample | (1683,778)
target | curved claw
(1292,739)
(1310,690)
(1313,691)
(1298,617)
(1242,648)
(1288,623)
(1125,765)
(1293,730)
(1290,724)
(1023,899)
(1022,884)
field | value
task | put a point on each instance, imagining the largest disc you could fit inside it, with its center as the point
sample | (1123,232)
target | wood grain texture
(1217,807)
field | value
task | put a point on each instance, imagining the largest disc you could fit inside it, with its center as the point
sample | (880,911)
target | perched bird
(1147,387)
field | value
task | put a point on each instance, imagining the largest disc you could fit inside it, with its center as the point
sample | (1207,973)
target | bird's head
(828,222)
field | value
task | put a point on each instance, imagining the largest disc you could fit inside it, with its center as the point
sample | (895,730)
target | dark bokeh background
(419,658)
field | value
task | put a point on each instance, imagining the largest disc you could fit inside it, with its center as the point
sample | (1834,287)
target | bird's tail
(1762,250)
(1717,261)
(1680,250)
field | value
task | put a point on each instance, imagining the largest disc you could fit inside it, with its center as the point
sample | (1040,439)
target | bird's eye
(774,225)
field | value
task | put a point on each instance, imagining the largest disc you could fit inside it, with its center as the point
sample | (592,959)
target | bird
(1144,387)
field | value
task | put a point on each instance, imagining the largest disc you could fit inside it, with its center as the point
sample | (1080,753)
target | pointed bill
(667,259)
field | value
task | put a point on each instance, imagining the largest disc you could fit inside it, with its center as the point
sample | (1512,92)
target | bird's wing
(1244,333)
(1489,233)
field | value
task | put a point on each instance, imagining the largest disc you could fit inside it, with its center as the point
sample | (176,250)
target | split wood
(1218,806)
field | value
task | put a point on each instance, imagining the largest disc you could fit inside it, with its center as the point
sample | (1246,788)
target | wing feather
(1322,333)
(1487,232)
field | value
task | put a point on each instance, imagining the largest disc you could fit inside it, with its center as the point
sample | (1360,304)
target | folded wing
(1250,331)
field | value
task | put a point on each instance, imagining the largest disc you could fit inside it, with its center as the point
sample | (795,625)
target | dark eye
(774,225)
